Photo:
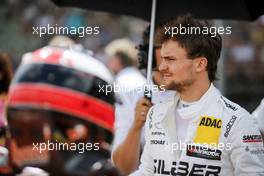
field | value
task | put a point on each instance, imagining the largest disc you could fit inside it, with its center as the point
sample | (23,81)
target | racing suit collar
(167,116)
(204,103)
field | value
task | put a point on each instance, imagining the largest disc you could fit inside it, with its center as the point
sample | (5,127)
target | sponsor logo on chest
(208,130)
(184,168)
(203,152)
(230,125)
(210,122)
(157,142)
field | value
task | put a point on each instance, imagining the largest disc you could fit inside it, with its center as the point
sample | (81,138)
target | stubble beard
(179,86)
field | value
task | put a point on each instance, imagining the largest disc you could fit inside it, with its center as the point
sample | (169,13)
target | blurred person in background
(5,79)
(130,116)
(122,56)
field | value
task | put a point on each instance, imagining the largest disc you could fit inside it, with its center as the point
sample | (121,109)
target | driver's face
(178,71)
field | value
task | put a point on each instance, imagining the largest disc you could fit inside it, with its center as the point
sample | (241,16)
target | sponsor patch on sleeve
(252,138)
(208,130)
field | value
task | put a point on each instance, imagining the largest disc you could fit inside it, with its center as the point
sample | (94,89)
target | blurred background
(241,71)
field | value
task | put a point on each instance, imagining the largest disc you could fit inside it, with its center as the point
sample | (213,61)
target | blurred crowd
(18,17)
(243,50)
(243,54)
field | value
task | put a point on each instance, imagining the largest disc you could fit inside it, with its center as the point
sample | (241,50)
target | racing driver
(199,132)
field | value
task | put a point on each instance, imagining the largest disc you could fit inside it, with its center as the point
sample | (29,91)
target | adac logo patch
(208,130)
(210,122)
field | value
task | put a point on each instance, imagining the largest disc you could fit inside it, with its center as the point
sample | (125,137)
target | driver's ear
(200,64)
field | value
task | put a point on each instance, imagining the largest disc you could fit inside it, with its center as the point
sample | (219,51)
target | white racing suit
(222,139)
(125,112)
(259,114)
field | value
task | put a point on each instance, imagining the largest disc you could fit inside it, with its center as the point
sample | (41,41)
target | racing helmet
(60,116)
